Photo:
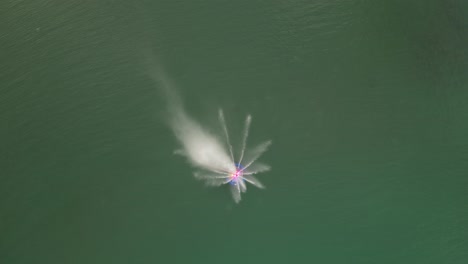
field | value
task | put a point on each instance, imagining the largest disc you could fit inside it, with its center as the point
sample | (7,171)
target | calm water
(366,103)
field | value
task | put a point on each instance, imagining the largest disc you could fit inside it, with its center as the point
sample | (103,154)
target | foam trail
(257,152)
(226,134)
(201,148)
(254,181)
(256,168)
(248,120)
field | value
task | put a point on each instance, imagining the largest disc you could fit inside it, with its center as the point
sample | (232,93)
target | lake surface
(366,103)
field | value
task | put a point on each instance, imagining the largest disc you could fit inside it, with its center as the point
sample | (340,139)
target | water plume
(214,160)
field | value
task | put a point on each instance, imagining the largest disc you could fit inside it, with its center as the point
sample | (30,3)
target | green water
(366,103)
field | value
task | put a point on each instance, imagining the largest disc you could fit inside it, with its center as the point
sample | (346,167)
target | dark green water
(366,103)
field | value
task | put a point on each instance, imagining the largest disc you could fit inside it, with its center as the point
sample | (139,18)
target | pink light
(237,174)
